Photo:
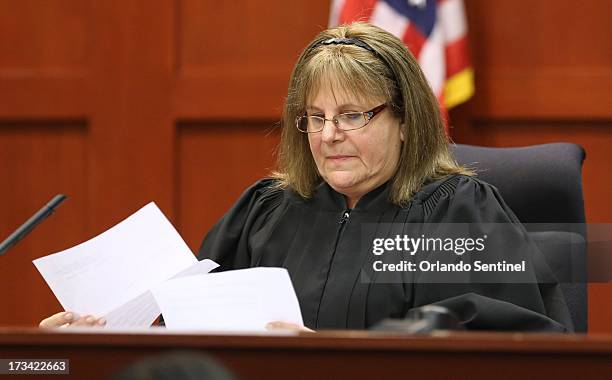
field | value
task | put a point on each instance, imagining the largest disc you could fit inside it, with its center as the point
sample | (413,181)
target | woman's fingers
(58,319)
(89,320)
(86,320)
(278,325)
(68,318)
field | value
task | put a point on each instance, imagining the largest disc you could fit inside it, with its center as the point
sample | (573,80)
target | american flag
(435,31)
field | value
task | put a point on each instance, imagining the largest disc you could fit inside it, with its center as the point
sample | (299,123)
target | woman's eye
(353,116)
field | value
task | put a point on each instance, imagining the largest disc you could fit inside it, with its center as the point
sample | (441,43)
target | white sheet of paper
(239,300)
(111,274)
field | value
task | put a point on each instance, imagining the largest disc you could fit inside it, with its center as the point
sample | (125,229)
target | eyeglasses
(344,121)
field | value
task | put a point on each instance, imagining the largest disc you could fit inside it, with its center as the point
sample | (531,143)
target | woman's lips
(339,158)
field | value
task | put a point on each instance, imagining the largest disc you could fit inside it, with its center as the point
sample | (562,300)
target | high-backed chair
(542,184)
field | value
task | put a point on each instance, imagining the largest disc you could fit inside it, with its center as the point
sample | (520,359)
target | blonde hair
(393,74)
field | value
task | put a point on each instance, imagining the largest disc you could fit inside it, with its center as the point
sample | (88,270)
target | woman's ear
(402,132)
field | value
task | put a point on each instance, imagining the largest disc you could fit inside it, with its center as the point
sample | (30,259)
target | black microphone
(29,225)
(422,320)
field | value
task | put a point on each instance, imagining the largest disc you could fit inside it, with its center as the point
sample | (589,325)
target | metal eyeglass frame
(367,115)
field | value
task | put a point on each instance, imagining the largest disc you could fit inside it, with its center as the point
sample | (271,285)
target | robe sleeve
(536,305)
(227,242)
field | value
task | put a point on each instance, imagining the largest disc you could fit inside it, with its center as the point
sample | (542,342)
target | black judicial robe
(322,250)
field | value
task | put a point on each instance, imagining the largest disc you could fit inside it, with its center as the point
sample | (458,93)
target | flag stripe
(334,15)
(432,60)
(414,39)
(452,17)
(389,19)
(459,88)
(457,57)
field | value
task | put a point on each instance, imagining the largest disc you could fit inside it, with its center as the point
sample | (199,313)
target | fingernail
(101,321)
(68,316)
(90,319)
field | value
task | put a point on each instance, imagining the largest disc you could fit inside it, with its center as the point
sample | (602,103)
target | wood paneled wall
(117,103)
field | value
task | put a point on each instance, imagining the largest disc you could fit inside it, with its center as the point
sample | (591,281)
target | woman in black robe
(345,163)
(364,156)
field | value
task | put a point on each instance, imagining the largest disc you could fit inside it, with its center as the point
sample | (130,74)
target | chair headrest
(540,183)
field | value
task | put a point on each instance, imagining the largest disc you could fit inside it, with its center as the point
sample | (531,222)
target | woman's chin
(342,183)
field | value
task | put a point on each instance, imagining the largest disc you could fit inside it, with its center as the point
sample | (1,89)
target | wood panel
(216,163)
(45,54)
(540,59)
(58,34)
(132,135)
(38,161)
(45,57)
(108,66)
(233,58)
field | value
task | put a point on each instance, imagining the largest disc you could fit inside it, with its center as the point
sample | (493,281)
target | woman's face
(354,162)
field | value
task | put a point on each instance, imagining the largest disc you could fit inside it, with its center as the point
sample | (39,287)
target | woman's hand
(285,326)
(68,318)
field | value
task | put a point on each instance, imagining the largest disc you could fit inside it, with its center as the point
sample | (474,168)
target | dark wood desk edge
(331,340)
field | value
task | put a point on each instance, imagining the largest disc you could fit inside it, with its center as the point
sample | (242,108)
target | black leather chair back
(542,184)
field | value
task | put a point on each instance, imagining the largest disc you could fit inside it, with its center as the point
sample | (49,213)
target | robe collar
(329,199)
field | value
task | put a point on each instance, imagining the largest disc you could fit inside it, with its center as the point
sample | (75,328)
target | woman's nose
(331,132)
